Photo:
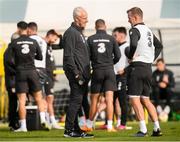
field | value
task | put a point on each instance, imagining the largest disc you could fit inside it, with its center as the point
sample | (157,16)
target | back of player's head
(33,26)
(136,11)
(52,32)
(100,23)
(22,25)
(120,30)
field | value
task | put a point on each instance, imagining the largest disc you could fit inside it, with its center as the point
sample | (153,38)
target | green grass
(171,132)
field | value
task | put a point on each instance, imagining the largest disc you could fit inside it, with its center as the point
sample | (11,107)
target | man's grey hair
(77,11)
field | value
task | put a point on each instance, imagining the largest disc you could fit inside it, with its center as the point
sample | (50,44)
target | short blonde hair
(136,11)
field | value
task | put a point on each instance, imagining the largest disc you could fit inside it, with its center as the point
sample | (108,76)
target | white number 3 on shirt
(101,48)
(25,49)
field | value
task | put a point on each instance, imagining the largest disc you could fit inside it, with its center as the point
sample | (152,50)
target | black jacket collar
(80,29)
(24,35)
(100,31)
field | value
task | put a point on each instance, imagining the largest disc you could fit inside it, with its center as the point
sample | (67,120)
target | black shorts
(103,80)
(139,79)
(27,81)
(49,85)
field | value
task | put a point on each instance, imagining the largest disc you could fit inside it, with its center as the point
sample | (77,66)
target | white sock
(47,117)
(109,124)
(82,121)
(42,117)
(156,125)
(89,123)
(118,122)
(142,126)
(23,123)
(52,119)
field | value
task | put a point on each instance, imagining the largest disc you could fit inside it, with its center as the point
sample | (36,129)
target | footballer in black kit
(104,53)
(102,47)
(25,50)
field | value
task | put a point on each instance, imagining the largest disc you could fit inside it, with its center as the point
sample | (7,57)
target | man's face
(120,37)
(131,19)
(160,66)
(29,31)
(52,38)
(82,19)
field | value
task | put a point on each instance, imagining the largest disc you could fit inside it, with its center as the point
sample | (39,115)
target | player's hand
(165,79)
(129,61)
(120,72)
(162,85)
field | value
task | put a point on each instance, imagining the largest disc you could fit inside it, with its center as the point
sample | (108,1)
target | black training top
(76,54)
(24,51)
(104,51)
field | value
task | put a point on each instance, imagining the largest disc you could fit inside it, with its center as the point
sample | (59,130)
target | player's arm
(158,47)
(89,47)
(154,82)
(38,55)
(134,37)
(116,51)
(69,46)
(9,60)
(59,45)
(171,82)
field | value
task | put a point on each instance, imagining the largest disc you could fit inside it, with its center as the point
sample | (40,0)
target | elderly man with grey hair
(76,64)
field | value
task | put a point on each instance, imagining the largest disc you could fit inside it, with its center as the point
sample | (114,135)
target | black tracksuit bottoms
(121,93)
(13,116)
(75,103)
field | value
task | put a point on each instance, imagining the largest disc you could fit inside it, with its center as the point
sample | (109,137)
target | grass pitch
(171,132)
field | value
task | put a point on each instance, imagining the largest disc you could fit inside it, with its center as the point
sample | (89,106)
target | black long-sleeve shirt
(135,35)
(104,50)
(24,51)
(76,54)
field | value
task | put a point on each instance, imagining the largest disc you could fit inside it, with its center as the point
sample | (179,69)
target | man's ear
(76,19)
(136,17)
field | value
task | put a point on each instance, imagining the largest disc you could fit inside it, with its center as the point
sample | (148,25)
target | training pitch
(171,132)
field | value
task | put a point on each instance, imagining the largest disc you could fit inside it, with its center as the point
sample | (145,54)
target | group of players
(29,65)
(110,72)
(113,68)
